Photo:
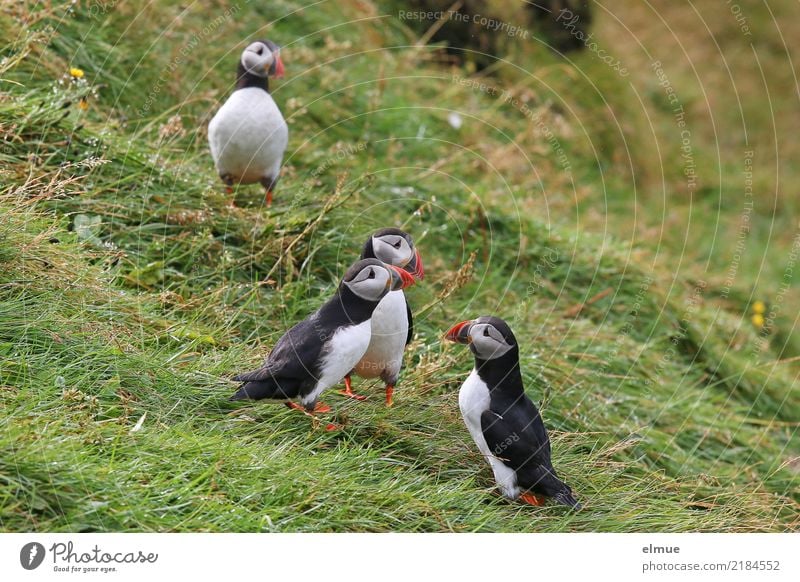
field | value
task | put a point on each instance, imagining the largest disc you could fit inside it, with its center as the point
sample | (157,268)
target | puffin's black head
(488,337)
(371,279)
(262,58)
(394,247)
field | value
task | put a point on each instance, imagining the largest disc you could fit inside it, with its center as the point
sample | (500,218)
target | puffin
(248,135)
(316,353)
(392,322)
(502,420)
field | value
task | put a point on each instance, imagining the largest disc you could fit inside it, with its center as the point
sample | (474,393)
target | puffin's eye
(486,332)
(397,245)
(371,274)
(260,50)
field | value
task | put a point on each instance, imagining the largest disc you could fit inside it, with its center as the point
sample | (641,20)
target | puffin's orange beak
(419,270)
(404,278)
(459,333)
(278,66)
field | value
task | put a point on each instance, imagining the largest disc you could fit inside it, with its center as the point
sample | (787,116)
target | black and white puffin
(503,421)
(248,135)
(392,323)
(316,353)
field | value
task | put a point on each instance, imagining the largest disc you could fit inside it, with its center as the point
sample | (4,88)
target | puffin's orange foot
(320,407)
(269,198)
(532,499)
(389,395)
(353,395)
(228,189)
(348,390)
(315,421)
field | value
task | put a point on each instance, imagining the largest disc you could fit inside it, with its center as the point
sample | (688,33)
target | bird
(502,420)
(249,135)
(316,353)
(392,323)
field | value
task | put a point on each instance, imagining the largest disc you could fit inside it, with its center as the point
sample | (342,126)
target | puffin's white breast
(474,400)
(342,352)
(388,341)
(248,136)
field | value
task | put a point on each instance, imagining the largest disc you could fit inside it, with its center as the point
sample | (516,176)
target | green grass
(130,291)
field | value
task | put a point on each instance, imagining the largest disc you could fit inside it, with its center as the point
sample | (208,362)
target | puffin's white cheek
(397,258)
(477,346)
(487,348)
(401,256)
(383,252)
(256,64)
(382,282)
(370,289)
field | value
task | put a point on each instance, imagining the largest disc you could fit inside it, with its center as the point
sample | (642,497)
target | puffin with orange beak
(392,321)
(502,420)
(316,353)
(248,135)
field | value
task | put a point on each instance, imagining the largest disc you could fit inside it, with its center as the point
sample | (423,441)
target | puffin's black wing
(293,364)
(519,439)
(410,335)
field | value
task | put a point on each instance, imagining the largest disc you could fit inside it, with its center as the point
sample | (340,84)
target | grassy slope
(740,93)
(664,413)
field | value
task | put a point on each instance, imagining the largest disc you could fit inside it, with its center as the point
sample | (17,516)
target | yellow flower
(77,73)
(759,307)
(758,320)
(83,105)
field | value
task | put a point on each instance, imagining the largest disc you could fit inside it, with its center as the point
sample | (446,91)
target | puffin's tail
(256,391)
(565,497)
(550,485)
(258,385)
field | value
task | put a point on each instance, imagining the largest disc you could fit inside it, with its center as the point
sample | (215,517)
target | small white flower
(455,120)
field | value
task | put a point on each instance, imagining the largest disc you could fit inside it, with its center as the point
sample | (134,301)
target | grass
(130,291)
